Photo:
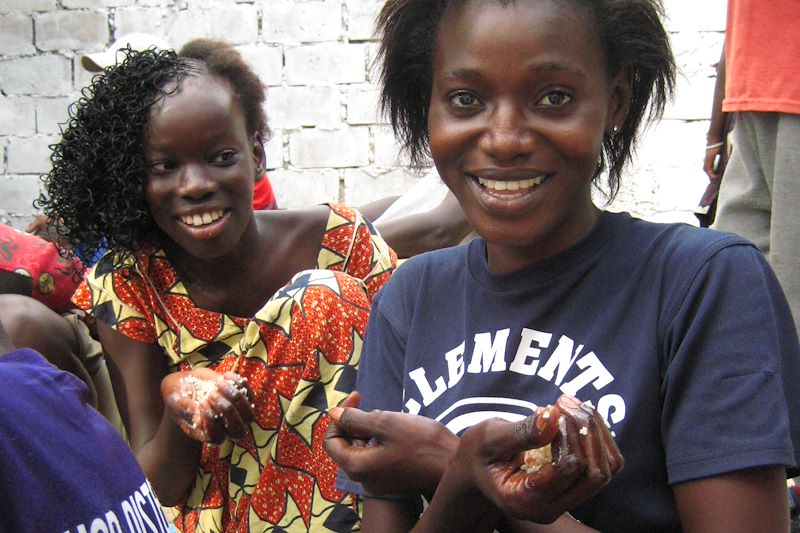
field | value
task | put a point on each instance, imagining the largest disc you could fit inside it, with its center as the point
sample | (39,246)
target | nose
(196,182)
(508,135)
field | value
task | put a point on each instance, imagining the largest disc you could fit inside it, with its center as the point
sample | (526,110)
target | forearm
(415,234)
(168,457)
(716,128)
(374,210)
(443,226)
(169,461)
(565,524)
(457,507)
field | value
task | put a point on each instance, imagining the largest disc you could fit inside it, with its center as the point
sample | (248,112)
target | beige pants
(759,198)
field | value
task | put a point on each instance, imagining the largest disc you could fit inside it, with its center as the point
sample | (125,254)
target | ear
(619,101)
(259,153)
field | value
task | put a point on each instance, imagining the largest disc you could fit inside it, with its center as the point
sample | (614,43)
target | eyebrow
(547,67)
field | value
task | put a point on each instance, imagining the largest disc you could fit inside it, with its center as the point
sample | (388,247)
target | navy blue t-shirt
(681,338)
(63,468)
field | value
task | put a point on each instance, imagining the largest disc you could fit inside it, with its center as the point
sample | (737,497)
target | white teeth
(202,219)
(507,185)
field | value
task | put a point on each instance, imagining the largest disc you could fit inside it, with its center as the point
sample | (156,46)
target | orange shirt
(263,195)
(762,49)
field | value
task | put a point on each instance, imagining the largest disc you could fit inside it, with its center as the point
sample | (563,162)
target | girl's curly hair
(96,187)
(630,31)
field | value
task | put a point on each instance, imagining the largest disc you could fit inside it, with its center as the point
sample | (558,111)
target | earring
(615,129)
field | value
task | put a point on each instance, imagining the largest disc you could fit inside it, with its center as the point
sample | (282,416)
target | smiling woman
(263,311)
(524,106)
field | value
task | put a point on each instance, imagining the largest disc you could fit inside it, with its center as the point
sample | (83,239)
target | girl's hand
(585,459)
(208,406)
(387,452)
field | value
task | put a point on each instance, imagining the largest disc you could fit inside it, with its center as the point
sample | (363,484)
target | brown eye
(161,167)
(555,99)
(226,157)
(463,99)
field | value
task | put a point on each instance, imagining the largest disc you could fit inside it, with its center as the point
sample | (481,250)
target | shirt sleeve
(116,295)
(353,245)
(371,258)
(732,353)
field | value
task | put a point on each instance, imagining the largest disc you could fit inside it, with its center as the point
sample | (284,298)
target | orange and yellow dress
(299,354)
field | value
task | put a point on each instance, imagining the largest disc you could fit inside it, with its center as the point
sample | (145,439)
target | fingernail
(541,420)
(335,413)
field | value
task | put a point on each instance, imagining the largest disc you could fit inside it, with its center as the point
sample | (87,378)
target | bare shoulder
(299,222)
(294,236)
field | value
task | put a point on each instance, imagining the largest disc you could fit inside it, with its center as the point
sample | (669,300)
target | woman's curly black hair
(631,32)
(96,187)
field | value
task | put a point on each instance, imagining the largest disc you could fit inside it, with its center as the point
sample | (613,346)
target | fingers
(588,441)
(339,442)
(210,407)
(498,439)
(339,446)
(40,221)
(352,400)
(538,429)
(356,423)
(230,404)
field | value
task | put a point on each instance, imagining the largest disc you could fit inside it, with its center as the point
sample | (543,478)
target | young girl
(680,337)
(235,331)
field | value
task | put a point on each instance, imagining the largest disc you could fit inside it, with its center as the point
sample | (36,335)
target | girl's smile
(520,104)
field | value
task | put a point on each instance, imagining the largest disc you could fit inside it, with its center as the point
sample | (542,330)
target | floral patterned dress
(299,354)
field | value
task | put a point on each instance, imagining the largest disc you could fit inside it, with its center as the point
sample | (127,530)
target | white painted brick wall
(17,116)
(16,35)
(315,56)
(70,30)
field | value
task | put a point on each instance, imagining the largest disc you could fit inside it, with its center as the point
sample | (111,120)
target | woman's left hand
(585,460)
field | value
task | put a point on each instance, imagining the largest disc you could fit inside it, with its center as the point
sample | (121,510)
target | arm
(444,225)
(374,210)
(169,418)
(716,129)
(168,457)
(739,502)
(388,516)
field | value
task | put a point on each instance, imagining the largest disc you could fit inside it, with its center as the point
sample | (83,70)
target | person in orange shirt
(759,196)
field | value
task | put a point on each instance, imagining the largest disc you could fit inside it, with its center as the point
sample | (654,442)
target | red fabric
(263,195)
(32,256)
(762,50)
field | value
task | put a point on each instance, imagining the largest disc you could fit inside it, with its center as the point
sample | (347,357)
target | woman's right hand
(388,452)
(208,406)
